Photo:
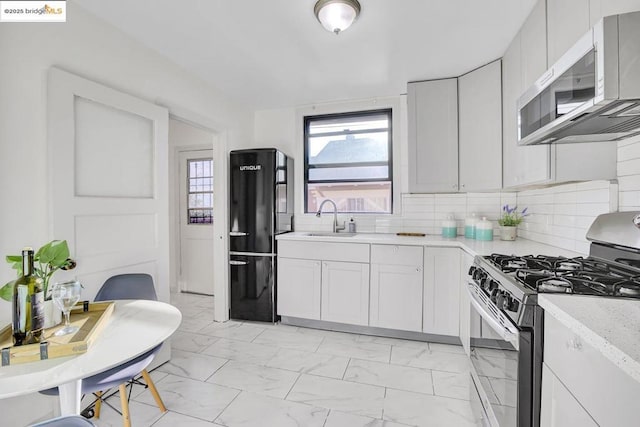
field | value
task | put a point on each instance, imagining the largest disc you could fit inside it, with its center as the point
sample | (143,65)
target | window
(200,194)
(348,160)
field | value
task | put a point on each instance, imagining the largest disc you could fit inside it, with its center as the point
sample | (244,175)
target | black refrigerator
(260,208)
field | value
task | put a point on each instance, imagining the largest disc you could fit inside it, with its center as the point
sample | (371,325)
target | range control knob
(506,302)
(489,285)
(479,275)
(494,295)
(472,270)
(500,299)
(514,305)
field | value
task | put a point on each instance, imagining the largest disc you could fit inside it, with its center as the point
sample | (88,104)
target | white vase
(52,314)
(508,232)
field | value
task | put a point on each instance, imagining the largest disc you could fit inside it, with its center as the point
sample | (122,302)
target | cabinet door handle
(418,269)
(546,78)
(462,186)
(574,344)
(455,186)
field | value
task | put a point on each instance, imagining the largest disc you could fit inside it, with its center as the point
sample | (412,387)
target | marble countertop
(611,325)
(473,247)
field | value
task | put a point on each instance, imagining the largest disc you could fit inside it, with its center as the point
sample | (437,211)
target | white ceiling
(273,53)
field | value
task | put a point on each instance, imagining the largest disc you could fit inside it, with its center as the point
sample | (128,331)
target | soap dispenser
(352,226)
(449,227)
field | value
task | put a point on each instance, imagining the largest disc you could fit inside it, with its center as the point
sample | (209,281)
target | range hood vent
(599,126)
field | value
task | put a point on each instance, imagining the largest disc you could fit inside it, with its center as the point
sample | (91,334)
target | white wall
(276,128)
(86,46)
(92,49)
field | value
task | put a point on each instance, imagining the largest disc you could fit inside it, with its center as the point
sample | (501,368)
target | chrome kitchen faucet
(336,227)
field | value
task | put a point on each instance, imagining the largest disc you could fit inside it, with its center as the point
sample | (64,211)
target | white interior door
(196,221)
(108,181)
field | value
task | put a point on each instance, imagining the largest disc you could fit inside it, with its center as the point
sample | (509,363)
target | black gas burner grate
(584,276)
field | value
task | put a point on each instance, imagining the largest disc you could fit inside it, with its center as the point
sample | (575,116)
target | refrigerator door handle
(232,262)
(237,233)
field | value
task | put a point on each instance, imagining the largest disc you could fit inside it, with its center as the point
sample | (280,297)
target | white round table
(135,327)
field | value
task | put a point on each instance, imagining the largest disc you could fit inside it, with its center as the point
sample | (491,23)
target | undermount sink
(329,234)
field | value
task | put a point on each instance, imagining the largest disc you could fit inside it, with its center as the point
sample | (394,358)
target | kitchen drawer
(396,255)
(608,394)
(324,251)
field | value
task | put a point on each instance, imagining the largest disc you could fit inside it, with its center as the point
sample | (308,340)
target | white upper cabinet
(567,21)
(524,61)
(533,45)
(480,130)
(601,8)
(433,136)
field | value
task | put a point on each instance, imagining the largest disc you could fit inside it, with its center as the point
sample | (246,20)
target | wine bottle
(28,304)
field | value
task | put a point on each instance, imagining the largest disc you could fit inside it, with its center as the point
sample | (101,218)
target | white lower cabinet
(345,292)
(324,281)
(601,389)
(559,407)
(299,288)
(400,287)
(441,300)
(466,261)
(396,287)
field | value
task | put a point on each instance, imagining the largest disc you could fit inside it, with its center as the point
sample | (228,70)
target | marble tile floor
(242,374)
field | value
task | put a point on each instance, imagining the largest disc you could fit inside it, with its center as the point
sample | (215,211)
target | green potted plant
(509,222)
(51,257)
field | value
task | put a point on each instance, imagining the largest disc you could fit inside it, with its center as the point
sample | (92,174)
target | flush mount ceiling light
(337,15)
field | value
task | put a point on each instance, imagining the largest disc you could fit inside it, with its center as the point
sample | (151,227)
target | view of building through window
(200,194)
(348,160)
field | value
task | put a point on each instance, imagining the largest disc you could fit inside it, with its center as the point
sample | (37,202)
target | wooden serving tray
(89,317)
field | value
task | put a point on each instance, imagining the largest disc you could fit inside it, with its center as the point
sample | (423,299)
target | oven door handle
(505,332)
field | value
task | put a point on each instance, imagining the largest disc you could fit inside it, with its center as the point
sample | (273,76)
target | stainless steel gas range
(507,345)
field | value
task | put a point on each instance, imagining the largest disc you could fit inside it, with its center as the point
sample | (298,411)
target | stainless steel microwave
(592,93)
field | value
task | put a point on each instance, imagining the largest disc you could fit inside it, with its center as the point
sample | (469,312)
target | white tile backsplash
(629,174)
(561,215)
(421,213)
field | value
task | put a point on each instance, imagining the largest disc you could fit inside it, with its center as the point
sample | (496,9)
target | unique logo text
(250,167)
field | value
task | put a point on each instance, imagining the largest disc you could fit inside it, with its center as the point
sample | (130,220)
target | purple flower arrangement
(511,217)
